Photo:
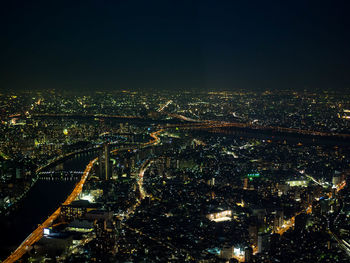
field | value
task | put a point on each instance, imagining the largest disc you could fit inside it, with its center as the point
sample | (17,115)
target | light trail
(178,116)
(143,194)
(291,222)
(341,242)
(314,180)
(165,105)
(37,234)
(341,186)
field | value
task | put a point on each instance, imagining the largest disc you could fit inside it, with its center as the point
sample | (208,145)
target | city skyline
(191,131)
(162,176)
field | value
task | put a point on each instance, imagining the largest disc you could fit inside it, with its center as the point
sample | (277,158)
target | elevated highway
(37,234)
(193,124)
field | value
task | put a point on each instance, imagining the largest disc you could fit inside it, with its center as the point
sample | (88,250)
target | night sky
(179,45)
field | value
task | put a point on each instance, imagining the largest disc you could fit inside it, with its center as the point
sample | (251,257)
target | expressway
(165,105)
(345,246)
(290,223)
(37,234)
(154,141)
(143,194)
(140,179)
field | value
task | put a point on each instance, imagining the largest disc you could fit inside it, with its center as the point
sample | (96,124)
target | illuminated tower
(107,165)
(104,160)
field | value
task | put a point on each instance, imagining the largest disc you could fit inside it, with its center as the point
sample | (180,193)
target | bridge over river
(44,200)
(41,201)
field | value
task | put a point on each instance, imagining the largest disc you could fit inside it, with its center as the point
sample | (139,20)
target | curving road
(37,234)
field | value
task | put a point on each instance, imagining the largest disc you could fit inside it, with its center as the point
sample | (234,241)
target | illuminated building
(302,183)
(229,252)
(104,163)
(225,215)
(76,209)
(82,226)
(107,165)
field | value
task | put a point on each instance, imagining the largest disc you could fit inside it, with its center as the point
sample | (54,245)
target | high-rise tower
(107,165)
(104,160)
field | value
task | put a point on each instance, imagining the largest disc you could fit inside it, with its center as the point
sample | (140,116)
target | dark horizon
(175,45)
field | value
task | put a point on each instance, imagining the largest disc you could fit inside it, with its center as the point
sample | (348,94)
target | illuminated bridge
(246,128)
(37,234)
(155,140)
(60,175)
(198,123)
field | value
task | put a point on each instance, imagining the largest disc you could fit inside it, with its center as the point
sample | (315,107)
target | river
(42,200)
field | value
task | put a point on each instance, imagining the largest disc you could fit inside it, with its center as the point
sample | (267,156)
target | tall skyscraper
(107,165)
(104,162)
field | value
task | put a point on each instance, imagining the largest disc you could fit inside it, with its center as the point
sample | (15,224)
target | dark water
(42,200)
